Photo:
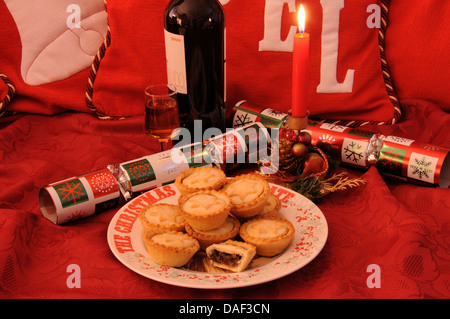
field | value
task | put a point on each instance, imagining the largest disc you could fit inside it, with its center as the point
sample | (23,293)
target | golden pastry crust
(200,179)
(271,208)
(173,248)
(161,218)
(231,255)
(228,230)
(270,235)
(205,210)
(248,193)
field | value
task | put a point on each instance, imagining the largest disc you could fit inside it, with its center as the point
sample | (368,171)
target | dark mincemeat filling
(225,258)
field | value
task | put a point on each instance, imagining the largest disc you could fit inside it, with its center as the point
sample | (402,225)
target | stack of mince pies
(231,221)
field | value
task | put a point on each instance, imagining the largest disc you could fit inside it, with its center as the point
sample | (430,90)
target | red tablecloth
(401,227)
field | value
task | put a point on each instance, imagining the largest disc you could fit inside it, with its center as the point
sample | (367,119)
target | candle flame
(301,19)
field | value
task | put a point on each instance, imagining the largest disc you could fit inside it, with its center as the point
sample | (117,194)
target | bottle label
(176,61)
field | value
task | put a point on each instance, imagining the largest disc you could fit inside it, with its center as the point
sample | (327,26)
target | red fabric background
(419,31)
(3,93)
(402,227)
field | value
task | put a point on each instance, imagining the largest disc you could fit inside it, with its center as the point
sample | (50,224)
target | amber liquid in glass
(161,119)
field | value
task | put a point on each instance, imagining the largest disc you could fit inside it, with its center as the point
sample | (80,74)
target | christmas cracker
(79,197)
(355,147)
(82,196)
(247,113)
(149,172)
(225,151)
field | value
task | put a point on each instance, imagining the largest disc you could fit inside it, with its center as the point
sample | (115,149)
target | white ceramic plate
(311,231)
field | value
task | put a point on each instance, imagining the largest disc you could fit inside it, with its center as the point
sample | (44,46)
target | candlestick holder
(298,122)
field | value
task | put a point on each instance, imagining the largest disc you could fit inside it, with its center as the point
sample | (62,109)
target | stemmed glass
(161,112)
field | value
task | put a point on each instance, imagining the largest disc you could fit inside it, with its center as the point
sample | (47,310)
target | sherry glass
(161,112)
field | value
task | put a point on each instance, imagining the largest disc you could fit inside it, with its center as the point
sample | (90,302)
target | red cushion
(134,59)
(256,68)
(46,59)
(264,77)
(259,66)
(417,49)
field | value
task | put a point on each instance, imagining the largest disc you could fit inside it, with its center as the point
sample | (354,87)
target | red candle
(300,67)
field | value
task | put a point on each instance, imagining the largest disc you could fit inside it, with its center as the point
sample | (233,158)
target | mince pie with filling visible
(231,255)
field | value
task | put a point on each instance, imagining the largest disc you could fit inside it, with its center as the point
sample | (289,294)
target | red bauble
(299,149)
(313,164)
(304,137)
(291,135)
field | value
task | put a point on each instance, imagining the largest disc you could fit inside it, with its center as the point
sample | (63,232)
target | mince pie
(205,210)
(199,179)
(248,193)
(173,249)
(228,230)
(272,206)
(270,235)
(160,218)
(231,255)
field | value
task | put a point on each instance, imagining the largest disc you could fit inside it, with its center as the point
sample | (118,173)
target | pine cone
(288,163)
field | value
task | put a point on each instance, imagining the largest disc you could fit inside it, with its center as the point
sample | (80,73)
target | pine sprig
(339,182)
(313,188)
(310,187)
